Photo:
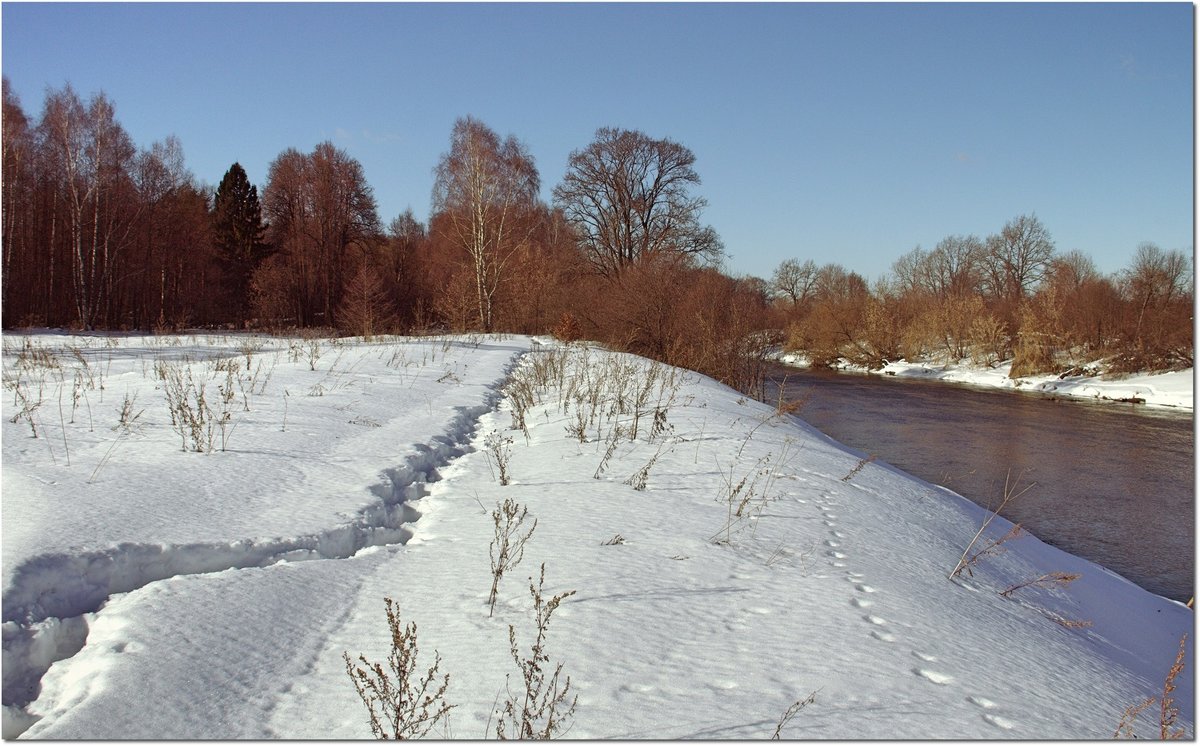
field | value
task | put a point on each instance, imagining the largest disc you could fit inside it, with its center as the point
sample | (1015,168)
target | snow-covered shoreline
(1170,390)
(728,560)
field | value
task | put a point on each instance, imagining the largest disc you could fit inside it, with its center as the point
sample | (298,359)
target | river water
(1114,483)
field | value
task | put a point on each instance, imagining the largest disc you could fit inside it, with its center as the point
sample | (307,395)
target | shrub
(545,706)
(508,547)
(401,705)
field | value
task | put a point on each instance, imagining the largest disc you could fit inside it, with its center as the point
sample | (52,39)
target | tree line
(98,234)
(101,235)
(1009,296)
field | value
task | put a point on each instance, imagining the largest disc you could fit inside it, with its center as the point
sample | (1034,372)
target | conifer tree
(238,236)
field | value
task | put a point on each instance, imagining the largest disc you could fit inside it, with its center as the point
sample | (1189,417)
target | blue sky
(844,133)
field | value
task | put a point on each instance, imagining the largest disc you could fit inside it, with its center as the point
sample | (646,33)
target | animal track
(999,722)
(883,636)
(864,588)
(938,678)
(862,603)
(877,621)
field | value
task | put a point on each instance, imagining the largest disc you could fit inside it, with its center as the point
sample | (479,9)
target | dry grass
(993,546)
(1168,713)
(862,463)
(1045,580)
(791,712)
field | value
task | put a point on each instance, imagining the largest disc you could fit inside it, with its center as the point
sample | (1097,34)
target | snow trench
(47,607)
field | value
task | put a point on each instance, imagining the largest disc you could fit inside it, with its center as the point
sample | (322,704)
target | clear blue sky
(842,133)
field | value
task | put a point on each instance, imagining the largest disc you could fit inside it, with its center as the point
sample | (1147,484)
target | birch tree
(90,154)
(485,187)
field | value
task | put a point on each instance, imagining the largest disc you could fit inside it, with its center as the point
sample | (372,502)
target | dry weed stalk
(499,447)
(639,478)
(994,546)
(545,707)
(740,499)
(508,546)
(401,706)
(792,711)
(1125,726)
(1168,715)
(862,462)
(1043,581)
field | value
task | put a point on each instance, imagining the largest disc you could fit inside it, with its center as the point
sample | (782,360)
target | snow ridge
(51,597)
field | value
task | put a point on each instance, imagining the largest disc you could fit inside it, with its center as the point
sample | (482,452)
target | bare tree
(1158,288)
(956,266)
(795,281)
(319,207)
(628,196)
(483,186)
(17,197)
(90,154)
(953,267)
(1017,258)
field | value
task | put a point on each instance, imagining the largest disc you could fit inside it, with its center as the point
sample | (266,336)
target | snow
(218,591)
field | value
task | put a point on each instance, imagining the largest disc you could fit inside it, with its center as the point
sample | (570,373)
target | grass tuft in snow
(401,705)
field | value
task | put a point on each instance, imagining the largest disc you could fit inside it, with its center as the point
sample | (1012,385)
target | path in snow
(52,599)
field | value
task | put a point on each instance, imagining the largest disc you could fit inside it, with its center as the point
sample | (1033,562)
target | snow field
(833,580)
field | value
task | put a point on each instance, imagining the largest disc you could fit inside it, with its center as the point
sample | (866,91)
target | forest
(100,234)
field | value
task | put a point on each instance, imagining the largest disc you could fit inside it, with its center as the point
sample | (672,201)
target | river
(1114,482)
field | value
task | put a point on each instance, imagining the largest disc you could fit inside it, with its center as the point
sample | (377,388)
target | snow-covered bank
(1175,389)
(689,619)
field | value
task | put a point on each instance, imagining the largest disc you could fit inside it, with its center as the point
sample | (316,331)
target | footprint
(983,702)
(864,588)
(937,678)
(829,523)
(837,555)
(999,722)
(855,575)
(837,534)
(862,603)
(877,621)
(926,658)
(882,636)
(831,543)
(837,564)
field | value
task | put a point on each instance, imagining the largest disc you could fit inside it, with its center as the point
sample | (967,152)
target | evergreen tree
(238,236)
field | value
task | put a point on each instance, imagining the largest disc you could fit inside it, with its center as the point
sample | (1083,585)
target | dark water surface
(1115,482)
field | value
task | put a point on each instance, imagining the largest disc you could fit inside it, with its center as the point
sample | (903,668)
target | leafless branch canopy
(628,196)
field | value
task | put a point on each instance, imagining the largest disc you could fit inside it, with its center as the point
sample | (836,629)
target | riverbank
(727,562)
(1175,389)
